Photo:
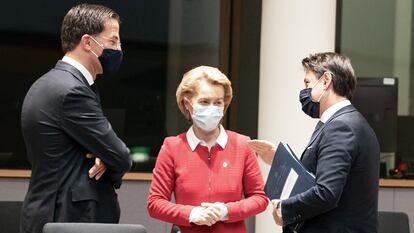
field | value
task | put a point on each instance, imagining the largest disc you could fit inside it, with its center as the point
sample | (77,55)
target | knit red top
(230,175)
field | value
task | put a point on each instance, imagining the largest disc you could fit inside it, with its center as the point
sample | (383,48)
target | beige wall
(291,30)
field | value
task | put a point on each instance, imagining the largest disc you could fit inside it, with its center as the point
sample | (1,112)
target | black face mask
(110,60)
(309,107)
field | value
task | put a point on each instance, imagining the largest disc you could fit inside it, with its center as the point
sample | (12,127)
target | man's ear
(327,80)
(85,42)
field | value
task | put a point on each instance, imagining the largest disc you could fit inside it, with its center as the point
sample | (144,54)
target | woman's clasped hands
(209,213)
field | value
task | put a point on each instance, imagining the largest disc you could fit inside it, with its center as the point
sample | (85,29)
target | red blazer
(232,173)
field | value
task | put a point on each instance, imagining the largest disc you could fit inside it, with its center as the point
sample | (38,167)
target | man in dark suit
(77,159)
(343,153)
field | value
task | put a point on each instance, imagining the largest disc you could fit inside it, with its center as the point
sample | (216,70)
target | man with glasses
(77,159)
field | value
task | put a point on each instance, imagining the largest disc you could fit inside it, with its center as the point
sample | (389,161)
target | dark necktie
(315,132)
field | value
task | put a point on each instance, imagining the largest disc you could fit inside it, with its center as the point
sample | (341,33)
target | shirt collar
(79,67)
(193,141)
(333,109)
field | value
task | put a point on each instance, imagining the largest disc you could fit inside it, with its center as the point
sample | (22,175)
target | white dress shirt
(193,141)
(79,67)
(328,113)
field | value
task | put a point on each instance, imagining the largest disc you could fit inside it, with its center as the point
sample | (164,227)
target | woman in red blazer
(213,173)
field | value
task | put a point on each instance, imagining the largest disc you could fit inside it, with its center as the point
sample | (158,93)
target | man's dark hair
(343,76)
(84,19)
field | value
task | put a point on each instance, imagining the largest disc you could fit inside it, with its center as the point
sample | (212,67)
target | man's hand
(265,149)
(98,169)
(277,212)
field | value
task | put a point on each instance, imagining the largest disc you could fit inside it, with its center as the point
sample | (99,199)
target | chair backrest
(92,228)
(391,222)
(10,216)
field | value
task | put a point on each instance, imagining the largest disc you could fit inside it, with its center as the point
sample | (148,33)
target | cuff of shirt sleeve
(195,214)
(224,212)
(279,209)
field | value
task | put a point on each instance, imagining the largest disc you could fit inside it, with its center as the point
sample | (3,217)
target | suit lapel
(61,65)
(344,110)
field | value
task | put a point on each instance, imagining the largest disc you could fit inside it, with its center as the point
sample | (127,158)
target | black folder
(287,176)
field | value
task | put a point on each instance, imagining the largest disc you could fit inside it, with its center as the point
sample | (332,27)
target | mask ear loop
(97,44)
(327,72)
(320,97)
(188,102)
(317,82)
(94,53)
(189,112)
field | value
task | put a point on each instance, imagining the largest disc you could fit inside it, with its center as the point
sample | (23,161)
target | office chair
(391,222)
(56,227)
(10,216)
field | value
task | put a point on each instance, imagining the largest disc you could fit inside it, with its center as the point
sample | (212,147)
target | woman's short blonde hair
(189,84)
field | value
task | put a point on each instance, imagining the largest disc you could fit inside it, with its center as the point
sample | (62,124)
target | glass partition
(378,37)
(161,40)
